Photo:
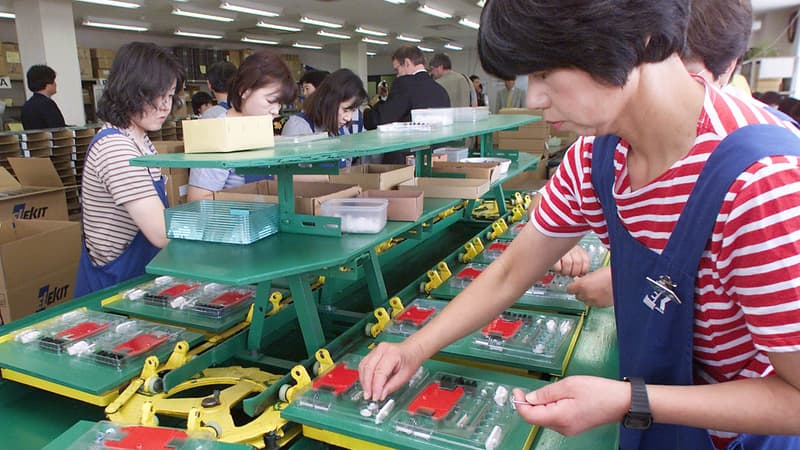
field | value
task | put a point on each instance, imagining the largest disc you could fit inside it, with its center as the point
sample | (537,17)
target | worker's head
(407,59)
(219,76)
(42,79)
(262,84)
(509,83)
(311,80)
(440,64)
(332,105)
(201,101)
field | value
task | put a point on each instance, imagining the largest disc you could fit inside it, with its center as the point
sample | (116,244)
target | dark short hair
(40,76)
(474,77)
(314,77)
(199,99)
(141,72)
(411,52)
(258,70)
(219,75)
(606,38)
(718,33)
(441,59)
(770,98)
(322,107)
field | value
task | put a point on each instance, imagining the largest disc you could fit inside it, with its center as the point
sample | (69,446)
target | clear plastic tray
(471,114)
(495,249)
(467,275)
(222,221)
(106,435)
(210,299)
(414,316)
(526,335)
(405,127)
(359,215)
(129,341)
(64,333)
(438,116)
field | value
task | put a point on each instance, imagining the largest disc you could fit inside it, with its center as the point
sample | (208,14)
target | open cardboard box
(468,188)
(38,265)
(404,206)
(485,171)
(308,195)
(374,176)
(227,134)
(36,193)
(177,178)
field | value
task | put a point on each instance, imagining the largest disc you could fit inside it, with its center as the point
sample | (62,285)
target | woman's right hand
(388,367)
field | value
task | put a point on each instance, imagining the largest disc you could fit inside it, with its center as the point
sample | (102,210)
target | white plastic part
(417,376)
(135,294)
(72,315)
(551,325)
(565,327)
(125,327)
(79,348)
(212,287)
(384,412)
(493,441)
(501,395)
(179,302)
(164,279)
(28,336)
(538,349)
(365,412)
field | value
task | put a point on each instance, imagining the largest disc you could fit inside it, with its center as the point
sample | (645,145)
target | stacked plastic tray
(222,221)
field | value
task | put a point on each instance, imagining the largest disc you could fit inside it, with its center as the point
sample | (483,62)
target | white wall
(773,25)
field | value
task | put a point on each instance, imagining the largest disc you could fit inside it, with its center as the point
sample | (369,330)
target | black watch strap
(639,416)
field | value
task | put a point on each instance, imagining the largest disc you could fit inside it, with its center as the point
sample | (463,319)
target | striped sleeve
(124,182)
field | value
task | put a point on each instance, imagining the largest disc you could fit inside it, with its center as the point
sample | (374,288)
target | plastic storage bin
(222,221)
(359,215)
(443,116)
(454,154)
(470,114)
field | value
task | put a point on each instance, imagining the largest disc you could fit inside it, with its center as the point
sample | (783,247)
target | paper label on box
(12,57)
(5,83)
(202,69)
(183,189)
(8,101)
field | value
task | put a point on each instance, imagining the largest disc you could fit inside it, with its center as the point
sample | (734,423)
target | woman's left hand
(575,404)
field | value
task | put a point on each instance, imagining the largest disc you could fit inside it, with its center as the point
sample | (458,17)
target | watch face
(636,421)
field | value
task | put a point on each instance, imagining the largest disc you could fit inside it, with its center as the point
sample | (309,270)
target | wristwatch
(638,417)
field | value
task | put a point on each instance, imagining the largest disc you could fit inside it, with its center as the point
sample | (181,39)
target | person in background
(40,111)
(457,85)
(123,205)
(311,80)
(771,98)
(509,97)
(219,76)
(201,102)
(381,94)
(482,99)
(261,85)
(686,184)
(332,108)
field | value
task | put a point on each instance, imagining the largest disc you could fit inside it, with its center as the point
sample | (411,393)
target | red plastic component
(82,330)
(177,289)
(502,327)
(498,247)
(518,227)
(338,380)
(435,401)
(231,298)
(140,344)
(415,315)
(470,273)
(546,279)
(149,438)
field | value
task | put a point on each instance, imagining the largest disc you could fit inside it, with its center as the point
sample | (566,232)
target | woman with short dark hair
(123,205)
(261,85)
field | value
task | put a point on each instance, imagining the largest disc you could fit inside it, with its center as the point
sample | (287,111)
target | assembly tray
(444,406)
(525,339)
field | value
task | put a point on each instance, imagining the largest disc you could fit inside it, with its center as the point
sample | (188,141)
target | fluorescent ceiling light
(251,8)
(259,40)
(434,12)
(469,23)
(197,34)
(379,33)
(321,22)
(307,45)
(118,3)
(332,35)
(481,3)
(425,49)
(371,53)
(278,26)
(453,47)
(397,2)
(407,38)
(374,41)
(114,24)
(7,15)
(199,14)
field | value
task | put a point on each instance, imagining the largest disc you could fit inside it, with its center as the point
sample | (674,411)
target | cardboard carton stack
(154,135)
(9,148)
(10,62)
(177,178)
(102,58)
(309,195)
(83,137)
(530,138)
(35,193)
(36,144)
(85,63)
(168,132)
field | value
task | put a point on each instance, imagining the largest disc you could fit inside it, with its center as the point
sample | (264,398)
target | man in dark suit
(413,89)
(40,111)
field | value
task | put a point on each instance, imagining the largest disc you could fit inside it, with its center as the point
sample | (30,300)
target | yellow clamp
(517,213)
(148,375)
(301,380)
(517,199)
(318,284)
(374,329)
(383,246)
(179,356)
(526,202)
(498,227)
(397,306)
(473,248)
(436,277)
(148,417)
(324,359)
(477,243)
(445,213)
(275,300)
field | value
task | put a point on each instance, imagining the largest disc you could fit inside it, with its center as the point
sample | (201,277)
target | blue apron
(655,333)
(224,104)
(130,263)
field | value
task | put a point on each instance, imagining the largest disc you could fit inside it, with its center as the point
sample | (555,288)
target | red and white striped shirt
(747,292)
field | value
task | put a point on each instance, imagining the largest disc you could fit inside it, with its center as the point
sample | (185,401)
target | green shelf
(359,144)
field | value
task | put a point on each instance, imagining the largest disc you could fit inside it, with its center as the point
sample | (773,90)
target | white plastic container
(359,215)
(454,154)
(504,163)
(471,114)
(443,116)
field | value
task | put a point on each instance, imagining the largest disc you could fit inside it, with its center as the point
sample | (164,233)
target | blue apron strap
(603,151)
(781,115)
(224,104)
(101,134)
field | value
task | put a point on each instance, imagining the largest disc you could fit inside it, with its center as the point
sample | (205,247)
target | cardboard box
(523,145)
(177,178)
(36,193)
(382,177)
(10,62)
(468,188)
(537,130)
(38,264)
(435,157)
(227,134)
(483,171)
(85,62)
(532,180)
(405,206)
(308,195)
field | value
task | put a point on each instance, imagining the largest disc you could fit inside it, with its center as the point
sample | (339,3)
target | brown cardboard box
(484,171)
(536,130)
(85,62)
(404,206)
(308,195)
(382,177)
(522,145)
(529,180)
(227,134)
(38,264)
(468,188)
(434,157)
(36,193)
(100,73)
(10,62)
(177,178)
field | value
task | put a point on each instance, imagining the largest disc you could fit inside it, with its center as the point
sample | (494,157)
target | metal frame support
(261,307)
(307,314)
(375,283)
